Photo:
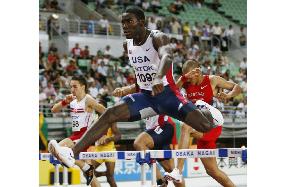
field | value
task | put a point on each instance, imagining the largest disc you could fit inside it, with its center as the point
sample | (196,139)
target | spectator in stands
(76,51)
(194,51)
(179,5)
(230,33)
(166,27)
(52,25)
(145,5)
(72,68)
(186,33)
(120,79)
(85,54)
(49,90)
(156,5)
(159,25)
(107,51)
(205,37)
(64,61)
(52,60)
(104,25)
(151,23)
(172,8)
(124,59)
(243,64)
(217,31)
(53,48)
(242,38)
(102,70)
(138,3)
(196,32)
(175,26)
(224,41)
(54,5)
(94,64)
(42,94)
(94,91)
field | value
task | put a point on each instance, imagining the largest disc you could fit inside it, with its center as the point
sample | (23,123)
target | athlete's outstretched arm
(161,44)
(125,90)
(220,82)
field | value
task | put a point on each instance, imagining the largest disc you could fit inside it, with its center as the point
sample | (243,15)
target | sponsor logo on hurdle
(97,155)
(195,153)
(130,154)
(234,152)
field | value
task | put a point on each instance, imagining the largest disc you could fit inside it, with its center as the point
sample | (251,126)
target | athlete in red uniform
(203,87)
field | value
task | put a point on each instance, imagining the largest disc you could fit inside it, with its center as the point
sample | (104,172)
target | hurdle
(145,157)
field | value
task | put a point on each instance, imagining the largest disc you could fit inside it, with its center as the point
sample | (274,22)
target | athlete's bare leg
(95,183)
(168,166)
(183,144)
(110,173)
(201,120)
(143,142)
(119,112)
(211,167)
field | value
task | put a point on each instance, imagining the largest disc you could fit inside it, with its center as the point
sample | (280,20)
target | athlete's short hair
(82,80)
(138,12)
(190,64)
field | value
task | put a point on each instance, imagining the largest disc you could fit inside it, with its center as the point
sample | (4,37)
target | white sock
(86,167)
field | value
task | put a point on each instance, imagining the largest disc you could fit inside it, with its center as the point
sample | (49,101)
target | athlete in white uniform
(82,112)
(158,95)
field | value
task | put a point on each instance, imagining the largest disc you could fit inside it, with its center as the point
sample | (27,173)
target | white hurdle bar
(131,155)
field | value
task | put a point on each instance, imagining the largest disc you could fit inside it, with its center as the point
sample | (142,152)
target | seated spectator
(42,94)
(52,60)
(49,90)
(53,48)
(107,51)
(72,67)
(76,51)
(64,61)
(85,54)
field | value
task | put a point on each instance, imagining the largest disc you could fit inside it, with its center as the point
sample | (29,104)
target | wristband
(64,103)
(183,79)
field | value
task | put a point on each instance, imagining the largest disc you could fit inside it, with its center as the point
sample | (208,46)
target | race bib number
(158,130)
(75,126)
(146,77)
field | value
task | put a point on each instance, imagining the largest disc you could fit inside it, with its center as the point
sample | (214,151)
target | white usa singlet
(80,118)
(145,60)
